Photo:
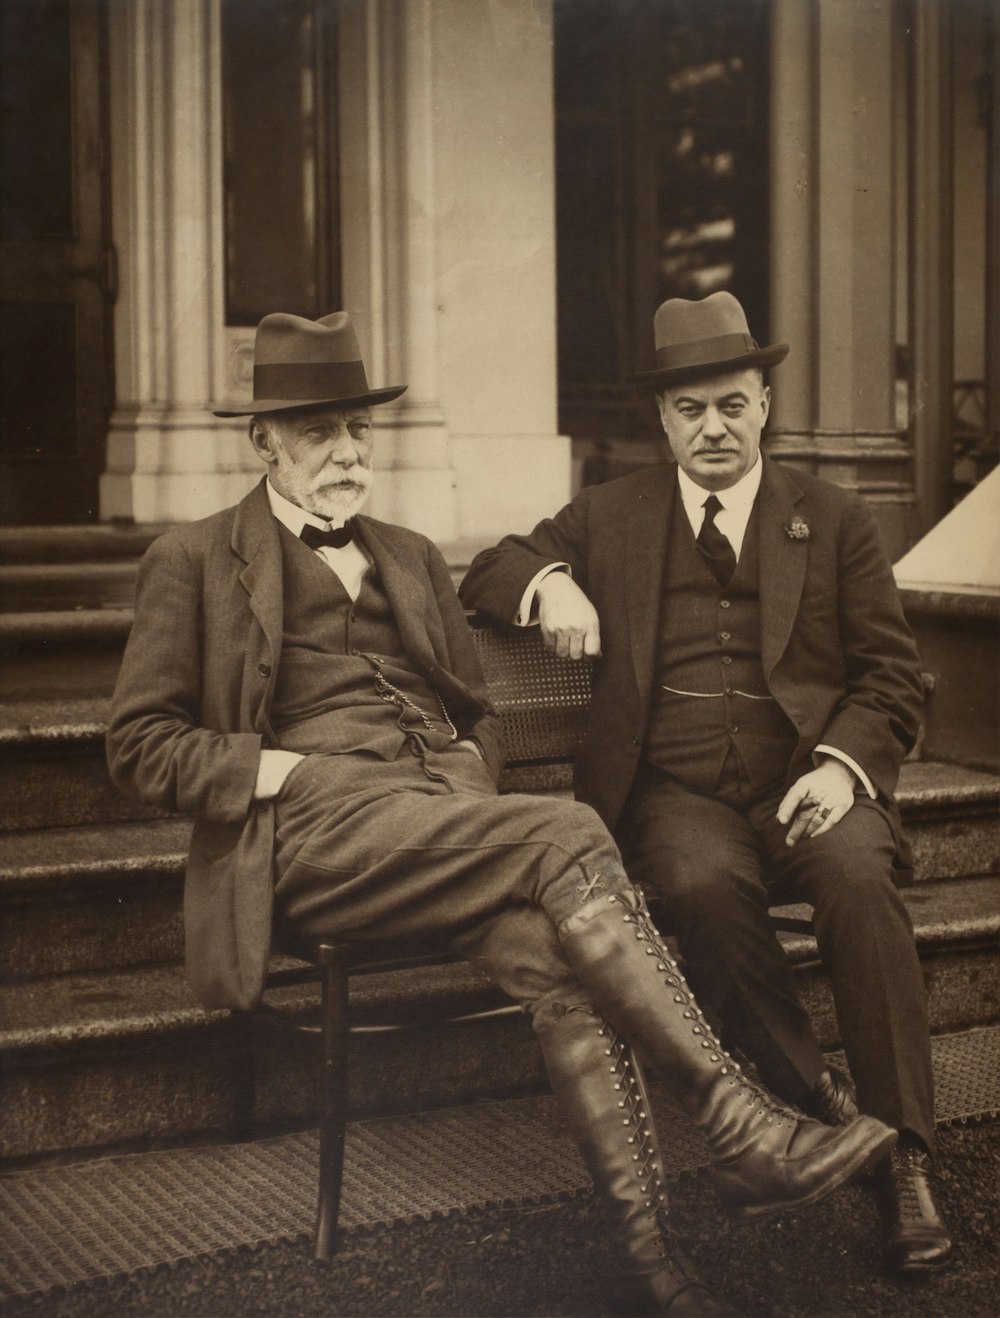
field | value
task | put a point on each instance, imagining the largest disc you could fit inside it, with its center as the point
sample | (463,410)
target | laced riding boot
(601,1095)
(768,1157)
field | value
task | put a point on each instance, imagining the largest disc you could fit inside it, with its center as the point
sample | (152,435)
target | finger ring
(824,812)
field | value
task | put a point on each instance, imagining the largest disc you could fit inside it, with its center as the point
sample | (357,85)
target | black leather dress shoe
(832,1101)
(916,1238)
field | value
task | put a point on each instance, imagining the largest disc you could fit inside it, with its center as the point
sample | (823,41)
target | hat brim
(762,357)
(261,405)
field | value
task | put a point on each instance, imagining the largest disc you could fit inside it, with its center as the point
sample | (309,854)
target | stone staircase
(102,1045)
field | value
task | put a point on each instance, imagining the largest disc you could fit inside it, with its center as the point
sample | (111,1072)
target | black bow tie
(332,537)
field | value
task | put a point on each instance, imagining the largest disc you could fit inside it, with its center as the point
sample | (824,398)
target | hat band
(705,352)
(309,380)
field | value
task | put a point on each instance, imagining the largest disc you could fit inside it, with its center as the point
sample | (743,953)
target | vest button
(727,658)
(264,670)
(635,741)
(734,727)
(723,604)
(725,636)
(730,691)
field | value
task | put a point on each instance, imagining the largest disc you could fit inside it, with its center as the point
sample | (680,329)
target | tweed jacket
(190,711)
(837,653)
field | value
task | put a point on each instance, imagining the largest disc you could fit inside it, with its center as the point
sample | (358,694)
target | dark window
(662,187)
(279,92)
(36,187)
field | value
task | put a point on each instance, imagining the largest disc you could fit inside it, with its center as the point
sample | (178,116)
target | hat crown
(286,339)
(679,320)
(309,363)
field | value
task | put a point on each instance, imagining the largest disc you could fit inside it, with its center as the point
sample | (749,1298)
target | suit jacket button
(635,741)
(264,670)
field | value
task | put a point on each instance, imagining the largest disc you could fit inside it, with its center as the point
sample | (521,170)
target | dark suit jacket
(190,712)
(838,655)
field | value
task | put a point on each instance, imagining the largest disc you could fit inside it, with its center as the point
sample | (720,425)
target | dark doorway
(661,191)
(55,263)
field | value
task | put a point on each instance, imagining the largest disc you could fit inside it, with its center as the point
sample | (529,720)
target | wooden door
(56,267)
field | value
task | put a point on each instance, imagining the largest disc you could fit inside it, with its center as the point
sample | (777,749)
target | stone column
(834,251)
(448,230)
(388,231)
(932,263)
(168,458)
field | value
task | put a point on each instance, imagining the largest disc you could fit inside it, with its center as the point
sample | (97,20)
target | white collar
(737,499)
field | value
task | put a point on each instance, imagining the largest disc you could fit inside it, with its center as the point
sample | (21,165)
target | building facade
(500,191)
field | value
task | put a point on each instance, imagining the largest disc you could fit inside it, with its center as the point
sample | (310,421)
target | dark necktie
(332,538)
(715,548)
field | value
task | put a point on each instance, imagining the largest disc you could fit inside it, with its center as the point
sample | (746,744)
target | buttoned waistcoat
(190,711)
(837,653)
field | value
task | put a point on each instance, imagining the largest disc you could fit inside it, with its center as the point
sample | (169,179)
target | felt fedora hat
(707,337)
(309,363)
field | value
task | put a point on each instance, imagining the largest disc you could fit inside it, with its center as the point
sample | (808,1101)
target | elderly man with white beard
(301,678)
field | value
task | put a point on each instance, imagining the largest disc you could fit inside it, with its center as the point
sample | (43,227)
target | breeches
(423,847)
(718,867)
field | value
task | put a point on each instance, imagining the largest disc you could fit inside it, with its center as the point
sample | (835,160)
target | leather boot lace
(636,913)
(633,1104)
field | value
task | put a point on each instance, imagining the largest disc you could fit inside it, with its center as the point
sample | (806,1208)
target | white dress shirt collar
(737,503)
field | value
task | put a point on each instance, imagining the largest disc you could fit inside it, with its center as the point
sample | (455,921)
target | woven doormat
(113,1216)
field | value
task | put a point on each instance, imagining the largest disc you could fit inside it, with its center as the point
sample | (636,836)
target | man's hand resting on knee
(568,620)
(818,800)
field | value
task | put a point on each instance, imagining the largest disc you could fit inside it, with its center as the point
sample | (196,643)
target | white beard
(336,499)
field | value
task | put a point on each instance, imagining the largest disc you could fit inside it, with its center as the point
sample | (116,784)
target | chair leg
(244,1072)
(333,1097)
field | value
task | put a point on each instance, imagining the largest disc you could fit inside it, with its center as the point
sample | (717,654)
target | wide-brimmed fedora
(707,337)
(309,363)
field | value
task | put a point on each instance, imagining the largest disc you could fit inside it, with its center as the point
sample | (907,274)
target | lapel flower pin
(797,529)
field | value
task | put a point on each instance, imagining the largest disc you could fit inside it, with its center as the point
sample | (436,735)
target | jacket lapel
(255,540)
(783,562)
(646,538)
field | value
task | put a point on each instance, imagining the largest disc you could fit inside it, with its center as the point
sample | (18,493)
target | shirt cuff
(527,610)
(855,768)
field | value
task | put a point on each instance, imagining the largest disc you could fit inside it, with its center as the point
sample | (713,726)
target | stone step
(52,766)
(90,1061)
(95,898)
(34,587)
(107,542)
(95,1060)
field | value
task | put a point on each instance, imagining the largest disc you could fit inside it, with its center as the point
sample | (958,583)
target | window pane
(282,242)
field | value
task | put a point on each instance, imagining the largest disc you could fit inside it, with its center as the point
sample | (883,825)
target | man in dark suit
(755,693)
(302,680)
